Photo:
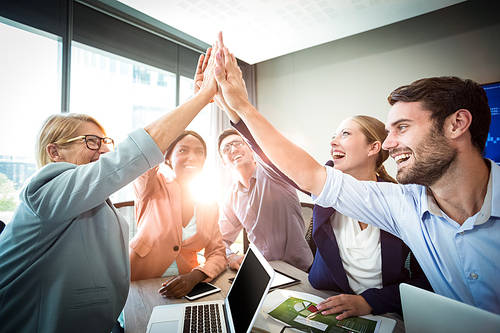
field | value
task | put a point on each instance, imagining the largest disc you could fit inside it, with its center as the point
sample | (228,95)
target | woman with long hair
(173,227)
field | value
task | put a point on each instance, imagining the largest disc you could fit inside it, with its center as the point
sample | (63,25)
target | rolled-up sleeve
(377,203)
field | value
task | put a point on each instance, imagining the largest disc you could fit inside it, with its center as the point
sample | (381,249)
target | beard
(433,158)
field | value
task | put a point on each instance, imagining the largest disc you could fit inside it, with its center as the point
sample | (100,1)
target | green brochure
(293,311)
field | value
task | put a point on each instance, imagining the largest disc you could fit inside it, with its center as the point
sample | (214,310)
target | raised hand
(200,69)
(230,80)
(204,78)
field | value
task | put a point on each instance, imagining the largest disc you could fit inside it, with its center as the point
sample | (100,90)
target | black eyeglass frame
(106,140)
(227,147)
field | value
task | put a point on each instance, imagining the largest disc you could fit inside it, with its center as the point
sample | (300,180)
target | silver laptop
(428,312)
(235,314)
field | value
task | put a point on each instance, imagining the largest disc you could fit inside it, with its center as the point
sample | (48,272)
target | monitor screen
(247,291)
(492,149)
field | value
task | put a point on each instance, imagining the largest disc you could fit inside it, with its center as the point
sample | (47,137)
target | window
(30,89)
(125,70)
(125,94)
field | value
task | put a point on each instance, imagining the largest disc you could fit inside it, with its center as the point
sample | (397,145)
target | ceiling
(258,30)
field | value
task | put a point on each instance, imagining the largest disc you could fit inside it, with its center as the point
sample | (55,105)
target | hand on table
(234,261)
(180,285)
(346,305)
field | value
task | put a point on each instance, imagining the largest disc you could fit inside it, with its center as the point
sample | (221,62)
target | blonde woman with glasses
(64,256)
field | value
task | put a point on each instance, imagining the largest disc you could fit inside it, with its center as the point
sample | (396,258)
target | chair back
(126,209)
(307,214)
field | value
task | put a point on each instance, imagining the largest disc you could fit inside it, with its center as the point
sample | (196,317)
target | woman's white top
(359,251)
(188,231)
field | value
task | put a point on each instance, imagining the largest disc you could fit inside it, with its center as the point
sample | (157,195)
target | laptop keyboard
(202,318)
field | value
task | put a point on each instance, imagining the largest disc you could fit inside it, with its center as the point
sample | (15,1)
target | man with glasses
(263,203)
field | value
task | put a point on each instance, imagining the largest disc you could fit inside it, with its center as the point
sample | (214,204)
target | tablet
(202,289)
(281,280)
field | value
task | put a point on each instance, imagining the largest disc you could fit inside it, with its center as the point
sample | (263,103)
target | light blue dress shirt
(462,262)
(64,264)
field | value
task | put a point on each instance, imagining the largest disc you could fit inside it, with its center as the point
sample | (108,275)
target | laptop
(235,314)
(424,311)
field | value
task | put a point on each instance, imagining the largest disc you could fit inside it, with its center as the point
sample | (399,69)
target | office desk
(143,296)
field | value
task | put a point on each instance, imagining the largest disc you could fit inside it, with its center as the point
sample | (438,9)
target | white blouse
(188,231)
(359,251)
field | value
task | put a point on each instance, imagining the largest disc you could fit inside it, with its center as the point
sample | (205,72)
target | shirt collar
(240,188)
(487,210)
(432,206)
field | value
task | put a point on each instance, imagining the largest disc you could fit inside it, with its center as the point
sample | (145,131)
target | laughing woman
(360,261)
(173,228)
(64,256)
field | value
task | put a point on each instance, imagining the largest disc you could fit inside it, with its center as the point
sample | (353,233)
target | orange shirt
(158,241)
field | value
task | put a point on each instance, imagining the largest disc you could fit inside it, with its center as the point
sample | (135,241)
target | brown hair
(374,130)
(227,132)
(57,129)
(445,95)
(170,148)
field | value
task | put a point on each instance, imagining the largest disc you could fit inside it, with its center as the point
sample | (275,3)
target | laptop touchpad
(164,326)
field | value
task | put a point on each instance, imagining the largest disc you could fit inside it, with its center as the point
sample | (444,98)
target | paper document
(282,280)
(293,311)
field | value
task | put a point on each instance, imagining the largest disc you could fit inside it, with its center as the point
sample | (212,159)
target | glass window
(120,93)
(30,90)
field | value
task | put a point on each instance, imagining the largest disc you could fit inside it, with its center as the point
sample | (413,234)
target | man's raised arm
(288,157)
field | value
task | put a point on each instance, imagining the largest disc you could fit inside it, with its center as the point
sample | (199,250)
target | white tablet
(202,289)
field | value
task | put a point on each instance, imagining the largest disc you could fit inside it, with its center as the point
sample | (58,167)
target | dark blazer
(327,271)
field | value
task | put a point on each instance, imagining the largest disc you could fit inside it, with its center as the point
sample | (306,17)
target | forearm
(197,275)
(292,160)
(167,128)
(215,255)
(383,300)
(243,129)
(233,116)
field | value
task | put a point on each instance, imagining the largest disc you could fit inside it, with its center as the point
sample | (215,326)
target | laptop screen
(247,291)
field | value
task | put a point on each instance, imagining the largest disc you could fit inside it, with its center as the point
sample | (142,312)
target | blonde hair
(57,129)
(374,130)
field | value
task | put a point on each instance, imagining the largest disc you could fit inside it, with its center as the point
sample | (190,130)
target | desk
(143,296)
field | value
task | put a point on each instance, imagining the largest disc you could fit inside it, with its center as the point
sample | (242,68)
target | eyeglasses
(93,142)
(227,147)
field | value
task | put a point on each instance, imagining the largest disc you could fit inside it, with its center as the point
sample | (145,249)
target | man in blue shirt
(448,209)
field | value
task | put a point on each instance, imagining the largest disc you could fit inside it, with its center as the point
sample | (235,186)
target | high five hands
(231,92)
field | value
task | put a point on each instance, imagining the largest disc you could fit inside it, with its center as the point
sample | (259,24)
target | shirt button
(462,233)
(176,248)
(473,276)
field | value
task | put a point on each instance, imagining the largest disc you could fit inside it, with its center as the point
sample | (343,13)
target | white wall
(306,94)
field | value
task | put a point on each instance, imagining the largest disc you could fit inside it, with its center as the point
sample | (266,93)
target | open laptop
(235,314)
(428,312)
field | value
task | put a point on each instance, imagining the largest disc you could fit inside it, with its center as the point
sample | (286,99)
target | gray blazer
(64,264)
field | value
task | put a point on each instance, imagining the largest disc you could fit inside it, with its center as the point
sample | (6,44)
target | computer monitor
(492,149)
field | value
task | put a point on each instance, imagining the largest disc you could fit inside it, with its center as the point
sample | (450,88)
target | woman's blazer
(158,241)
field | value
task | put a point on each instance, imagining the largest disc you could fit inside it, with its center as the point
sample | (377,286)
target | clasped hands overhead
(218,72)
